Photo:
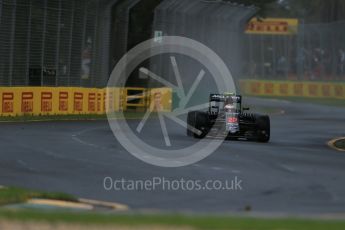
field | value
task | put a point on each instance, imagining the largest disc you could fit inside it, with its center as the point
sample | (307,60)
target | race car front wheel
(191,123)
(199,121)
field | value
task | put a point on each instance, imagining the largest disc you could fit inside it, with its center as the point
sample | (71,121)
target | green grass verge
(320,101)
(82,117)
(197,222)
(13,195)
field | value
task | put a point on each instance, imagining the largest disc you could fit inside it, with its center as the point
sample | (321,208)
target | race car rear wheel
(263,129)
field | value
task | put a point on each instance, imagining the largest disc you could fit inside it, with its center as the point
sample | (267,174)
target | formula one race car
(226,119)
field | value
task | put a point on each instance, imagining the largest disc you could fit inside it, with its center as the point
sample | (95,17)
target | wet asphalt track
(296,173)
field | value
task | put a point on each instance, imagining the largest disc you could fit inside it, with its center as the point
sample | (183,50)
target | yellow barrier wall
(293,89)
(161,99)
(36,101)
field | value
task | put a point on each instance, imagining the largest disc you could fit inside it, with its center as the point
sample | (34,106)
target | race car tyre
(263,128)
(199,121)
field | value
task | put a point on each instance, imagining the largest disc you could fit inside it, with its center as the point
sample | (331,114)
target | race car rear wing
(217,102)
(223,97)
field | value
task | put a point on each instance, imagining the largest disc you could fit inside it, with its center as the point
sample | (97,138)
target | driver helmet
(229,104)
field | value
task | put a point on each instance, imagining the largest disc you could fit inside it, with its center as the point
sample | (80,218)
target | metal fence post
(0,11)
(0,39)
(251,58)
(83,40)
(43,41)
(95,41)
(70,44)
(57,55)
(287,58)
(274,58)
(13,30)
(262,46)
(28,46)
(104,48)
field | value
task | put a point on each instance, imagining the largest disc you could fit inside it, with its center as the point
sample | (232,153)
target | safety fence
(63,43)
(293,89)
(38,101)
(309,52)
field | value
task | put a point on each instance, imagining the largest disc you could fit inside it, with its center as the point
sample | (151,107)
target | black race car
(226,119)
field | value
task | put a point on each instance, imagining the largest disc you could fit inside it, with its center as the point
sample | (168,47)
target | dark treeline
(315,11)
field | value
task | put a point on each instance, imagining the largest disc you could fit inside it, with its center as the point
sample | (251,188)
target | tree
(262,5)
(315,11)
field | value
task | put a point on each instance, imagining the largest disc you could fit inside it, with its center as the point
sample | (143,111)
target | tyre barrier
(304,89)
(43,101)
